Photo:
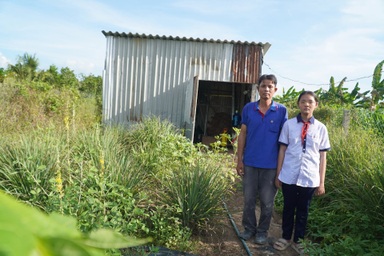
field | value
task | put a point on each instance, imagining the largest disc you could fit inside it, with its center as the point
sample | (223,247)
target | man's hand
(240,168)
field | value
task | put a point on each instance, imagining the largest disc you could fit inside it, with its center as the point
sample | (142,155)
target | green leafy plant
(25,68)
(289,97)
(354,197)
(377,92)
(2,75)
(149,180)
(197,191)
(27,231)
(26,168)
(159,147)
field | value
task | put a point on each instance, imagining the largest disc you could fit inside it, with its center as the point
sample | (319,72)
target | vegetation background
(148,180)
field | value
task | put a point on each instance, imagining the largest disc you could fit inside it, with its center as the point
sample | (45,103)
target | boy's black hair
(309,93)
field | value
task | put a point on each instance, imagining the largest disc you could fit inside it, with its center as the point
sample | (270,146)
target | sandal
(281,244)
(298,248)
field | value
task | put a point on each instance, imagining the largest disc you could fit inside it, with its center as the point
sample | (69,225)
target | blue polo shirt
(261,144)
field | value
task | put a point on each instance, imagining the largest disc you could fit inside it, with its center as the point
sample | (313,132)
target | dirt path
(223,240)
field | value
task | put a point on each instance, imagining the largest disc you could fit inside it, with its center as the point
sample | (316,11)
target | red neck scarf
(304,131)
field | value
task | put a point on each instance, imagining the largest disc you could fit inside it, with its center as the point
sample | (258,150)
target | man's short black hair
(268,77)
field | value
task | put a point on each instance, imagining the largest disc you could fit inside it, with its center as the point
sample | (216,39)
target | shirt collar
(299,119)
(273,106)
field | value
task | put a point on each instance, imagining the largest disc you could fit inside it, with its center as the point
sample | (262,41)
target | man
(257,157)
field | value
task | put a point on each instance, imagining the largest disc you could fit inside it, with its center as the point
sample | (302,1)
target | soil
(223,238)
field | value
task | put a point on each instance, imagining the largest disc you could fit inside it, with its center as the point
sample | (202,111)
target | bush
(354,198)
(119,179)
(197,193)
(27,166)
(185,178)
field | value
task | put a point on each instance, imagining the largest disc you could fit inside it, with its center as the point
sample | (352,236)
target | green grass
(149,180)
(349,219)
(111,177)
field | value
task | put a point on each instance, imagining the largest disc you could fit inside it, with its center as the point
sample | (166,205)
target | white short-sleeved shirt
(301,162)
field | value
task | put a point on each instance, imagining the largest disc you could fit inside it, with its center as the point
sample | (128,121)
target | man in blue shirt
(257,157)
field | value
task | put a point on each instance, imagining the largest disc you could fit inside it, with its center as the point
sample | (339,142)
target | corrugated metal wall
(146,75)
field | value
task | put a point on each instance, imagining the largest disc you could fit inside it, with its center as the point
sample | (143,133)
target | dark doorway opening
(216,105)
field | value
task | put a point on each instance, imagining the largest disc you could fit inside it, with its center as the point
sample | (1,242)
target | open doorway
(217,102)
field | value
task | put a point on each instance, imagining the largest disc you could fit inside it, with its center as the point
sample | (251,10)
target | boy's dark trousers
(295,212)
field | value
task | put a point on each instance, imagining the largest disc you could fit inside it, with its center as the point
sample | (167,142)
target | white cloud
(225,8)
(349,46)
(369,12)
(3,61)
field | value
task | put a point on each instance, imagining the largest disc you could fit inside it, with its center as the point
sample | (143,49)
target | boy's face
(267,89)
(307,104)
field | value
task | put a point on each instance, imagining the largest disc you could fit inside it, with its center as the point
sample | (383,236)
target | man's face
(267,89)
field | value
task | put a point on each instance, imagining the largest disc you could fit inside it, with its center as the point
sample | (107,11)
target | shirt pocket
(274,126)
(313,140)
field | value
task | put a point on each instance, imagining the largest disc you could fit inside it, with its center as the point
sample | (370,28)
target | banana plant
(377,92)
(335,94)
(289,97)
(338,94)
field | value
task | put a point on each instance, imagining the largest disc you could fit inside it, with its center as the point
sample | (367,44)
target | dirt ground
(223,239)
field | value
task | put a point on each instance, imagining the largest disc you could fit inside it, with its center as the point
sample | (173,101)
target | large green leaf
(106,238)
(27,231)
(376,80)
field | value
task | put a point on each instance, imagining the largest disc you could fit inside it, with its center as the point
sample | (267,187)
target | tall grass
(197,192)
(26,106)
(27,166)
(55,156)
(114,177)
(159,146)
(349,218)
(149,180)
(186,178)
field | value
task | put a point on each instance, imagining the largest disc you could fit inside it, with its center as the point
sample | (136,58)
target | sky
(311,41)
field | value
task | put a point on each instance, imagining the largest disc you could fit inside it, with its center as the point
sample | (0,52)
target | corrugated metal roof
(265,46)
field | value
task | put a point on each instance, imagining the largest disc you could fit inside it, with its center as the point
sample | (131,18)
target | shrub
(27,166)
(197,193)
(159,146)
(354,198)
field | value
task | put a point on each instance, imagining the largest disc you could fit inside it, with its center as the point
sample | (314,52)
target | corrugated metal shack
(197,84)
